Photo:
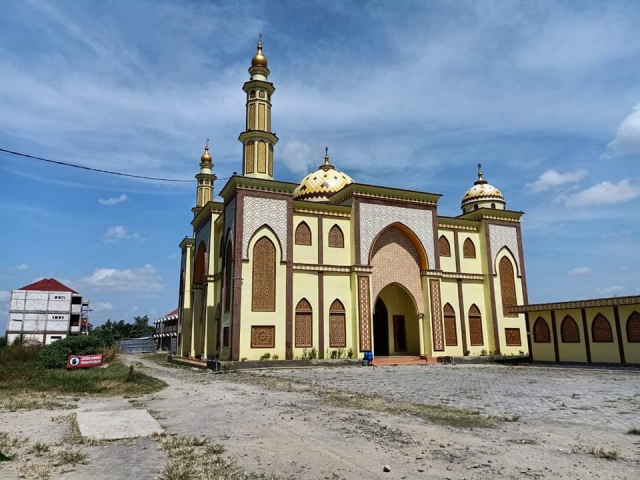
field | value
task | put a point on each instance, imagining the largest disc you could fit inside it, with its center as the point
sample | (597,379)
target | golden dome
(259,60)
(206,157)
(321,184)
(481,190)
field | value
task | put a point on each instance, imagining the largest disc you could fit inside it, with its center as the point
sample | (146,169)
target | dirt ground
(287,424)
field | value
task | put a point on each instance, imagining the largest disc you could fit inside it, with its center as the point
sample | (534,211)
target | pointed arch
(413,238)
(227,279)
(468,248)
(450,331)
(337,325)
(336,237)
(475,326)
(569,331)
(263,295)
(444,246)
(304,324)
(200,270)
(507,286)
(541,331)
(303,234)
(258,232)
(633,328)
(601,329)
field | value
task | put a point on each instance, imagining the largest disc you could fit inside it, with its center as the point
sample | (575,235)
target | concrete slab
(114,425)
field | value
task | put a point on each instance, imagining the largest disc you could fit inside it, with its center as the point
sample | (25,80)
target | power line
(66,164)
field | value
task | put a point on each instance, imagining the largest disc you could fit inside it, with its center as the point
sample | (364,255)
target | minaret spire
(258,140)
(206,179)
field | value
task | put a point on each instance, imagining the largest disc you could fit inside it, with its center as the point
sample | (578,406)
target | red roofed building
(46,311)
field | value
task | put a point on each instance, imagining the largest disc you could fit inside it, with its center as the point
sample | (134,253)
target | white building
(46,311)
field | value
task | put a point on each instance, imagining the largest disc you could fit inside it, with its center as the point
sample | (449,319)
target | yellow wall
(305,285)
(571,352)
(474,292)
(602,352)
(448,264)
(306,253)
(398,302)
(332,255)
(631,350)
(542,352)
(277,318)
(449,294)
(471,265)
(509,322)
(338,286)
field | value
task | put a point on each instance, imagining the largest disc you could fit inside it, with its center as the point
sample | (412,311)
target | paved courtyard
(547,395)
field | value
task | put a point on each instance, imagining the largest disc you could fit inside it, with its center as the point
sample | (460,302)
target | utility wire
(66,164)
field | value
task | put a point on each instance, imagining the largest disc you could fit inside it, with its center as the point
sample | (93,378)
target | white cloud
(615,289)
(102,306)
(145,280)
(300,157)
(114,200)
(580,271)
(627,139)
(118,233)
(552,178)
(603,193)
(22,267)
(4,295)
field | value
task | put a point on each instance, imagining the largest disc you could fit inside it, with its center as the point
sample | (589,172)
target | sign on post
(84,361)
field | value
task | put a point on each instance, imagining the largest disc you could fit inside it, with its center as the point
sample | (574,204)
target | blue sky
(413,94)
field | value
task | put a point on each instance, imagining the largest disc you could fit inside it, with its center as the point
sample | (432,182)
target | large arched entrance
(395,323)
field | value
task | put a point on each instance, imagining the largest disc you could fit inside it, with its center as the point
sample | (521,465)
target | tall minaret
(258,140)
(205,178)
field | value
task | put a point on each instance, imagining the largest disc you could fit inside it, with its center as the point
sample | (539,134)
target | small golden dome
(206,157)
(322,184)
(259,60)
(481,190)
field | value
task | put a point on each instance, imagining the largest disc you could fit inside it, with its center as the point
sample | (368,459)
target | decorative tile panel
(541,331)
(260,211)
(263,337)
(633,327)
(436,315)
(601,329)
(304,329)
(475,326)
(444,246)
(374,218)
(507,287)
(512,337)
(500,237)
(263,295)
(569,331)
(364,311)
(303,234)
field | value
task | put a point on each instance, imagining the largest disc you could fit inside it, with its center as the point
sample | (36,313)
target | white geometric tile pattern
(375,218)
(230,217)
(501,236)
(260,211)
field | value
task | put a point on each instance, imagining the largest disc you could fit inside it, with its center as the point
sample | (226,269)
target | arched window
(541,332)
(475,207)
(633,327)
(263,298)
(569,332)
(475,326)
(252,94)
(468,249)
(336,237)
(493,205)
(601,329)
(444,246)
(450,332)
(337,325)
(227,282)
(304,324)
(507,286)
(303,234)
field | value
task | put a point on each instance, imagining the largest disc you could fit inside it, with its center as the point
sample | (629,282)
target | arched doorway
(396,329)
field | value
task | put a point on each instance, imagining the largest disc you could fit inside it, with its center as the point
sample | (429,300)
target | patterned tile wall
(502,236)
(260,211)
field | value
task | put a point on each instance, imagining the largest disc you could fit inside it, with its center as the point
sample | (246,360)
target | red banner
(84,361)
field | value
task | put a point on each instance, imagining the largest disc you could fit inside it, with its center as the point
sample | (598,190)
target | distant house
(166,333)
(46,311)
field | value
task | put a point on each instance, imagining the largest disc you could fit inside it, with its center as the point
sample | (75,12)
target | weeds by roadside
(634,431)
(602,453)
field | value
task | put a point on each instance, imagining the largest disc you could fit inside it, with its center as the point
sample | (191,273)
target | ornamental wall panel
(512,337)
(364,313)
(444,246)
(374,218)
(259,211)
(395,260)
(541,331)
(263,337)
(569,331)
(633,327)
(436,315)
(502,236)
(507,286)
(601,329)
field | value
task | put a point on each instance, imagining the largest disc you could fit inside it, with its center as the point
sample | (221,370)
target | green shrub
(4,343)
(56,354)
(20,353)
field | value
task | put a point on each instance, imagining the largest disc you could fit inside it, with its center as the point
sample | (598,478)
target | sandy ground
(295,435)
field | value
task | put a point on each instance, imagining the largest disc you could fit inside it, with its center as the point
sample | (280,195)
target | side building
(46,311)
(166,333)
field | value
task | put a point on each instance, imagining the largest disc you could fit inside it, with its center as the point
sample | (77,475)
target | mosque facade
(332,268)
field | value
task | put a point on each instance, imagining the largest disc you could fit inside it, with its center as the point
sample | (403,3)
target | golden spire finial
(206,156)
(326,165)
(259,60)
(480,179)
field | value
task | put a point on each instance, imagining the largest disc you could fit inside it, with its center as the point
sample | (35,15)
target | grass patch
(9,446)
(438,414)
(196,457)
(161,359)
(634,431)
(38,449)
(19,382)
(602,453)
(37,471)
(68,457)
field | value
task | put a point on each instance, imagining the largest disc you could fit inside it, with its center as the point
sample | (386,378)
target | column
(421,333)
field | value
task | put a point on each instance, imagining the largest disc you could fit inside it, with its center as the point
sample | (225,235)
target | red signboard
(84,361)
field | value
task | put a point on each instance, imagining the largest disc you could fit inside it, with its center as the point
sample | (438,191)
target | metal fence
(137,345)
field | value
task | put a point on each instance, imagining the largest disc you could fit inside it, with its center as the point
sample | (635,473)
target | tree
(114,331)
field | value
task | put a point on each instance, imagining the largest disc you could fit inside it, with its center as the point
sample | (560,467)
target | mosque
(335,268)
